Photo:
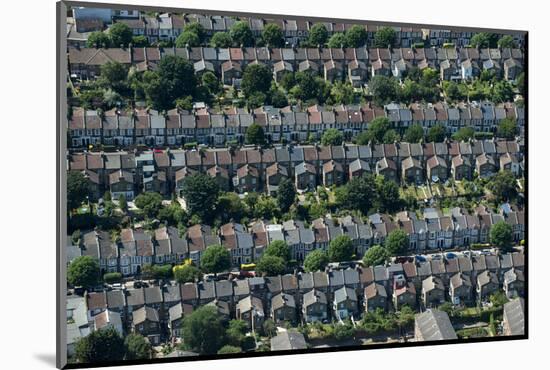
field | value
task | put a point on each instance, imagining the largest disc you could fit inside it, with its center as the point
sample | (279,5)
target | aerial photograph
(237,184)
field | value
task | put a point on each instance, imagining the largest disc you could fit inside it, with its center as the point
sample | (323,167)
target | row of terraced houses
(354,64)
(208,126)
(432,230)
(252,169)
(157,311)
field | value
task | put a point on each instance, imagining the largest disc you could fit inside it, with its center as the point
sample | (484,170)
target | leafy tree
(114,75)
(278,98)
(397,242)
(215,259)
(273,36)
(173,214)
(501,235)
(375,132)
(122,203)
(503,185)
(391,136)
(357,194)
(174,79)
(203,330)
(221,40)
(436,134)
(337,40)
(498,299)
(286,193)
(112,277)
(316,261)
(405,317)
(483,40)
(256,78)
(375,255)
(120,34)
(255,134)
(520,82)
(464,134)
(236,332)
(78,189)
(384,37)
(211,82)
(387,191)
(162,271)
(149,202)
(241,34)
(502,92)
(452,91)
(140,41)
(188,38)
(201,194)
(345,331)
(278,248)
(271,265)
(266,208)
(83,271)
(332,136)
(100,346)
(229,349)
(269,328)
(318,34)
(98,39)
(137,347)
(197,29)
(414,133)
(506,41)
(231,207)
(186,273)
(384,89)
(342,93)
(340,249)
(507,128)
(356,36)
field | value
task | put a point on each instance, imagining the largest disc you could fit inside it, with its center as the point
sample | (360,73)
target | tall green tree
(215,259)
(436,134)
(397,242)
(114,75)
(384,89)
(197,29)
(332,136)
(340,249)
(221,40)
(507,128)
(256,78)
(241,34)
(137,347)
(375,255)
(375,131)
(98,39)
(387,191)
(337,40)
(286,193)
(120,34)
(484,40)
(506,41)
(83,271)
(385,37)
(203,330)
(414,133)
(316,261)
(188,38)
(358,194)
(255,134)
(78,188)
(318,34)
(278,248)
(149,202)
(100,346)
(186,273)
(201,192)
(271,265)
(503,185)
(356,36)
(273,36)
(464,134)
(501,235)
